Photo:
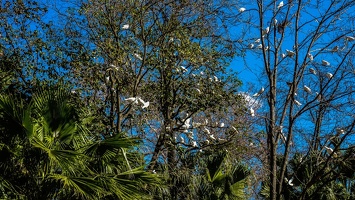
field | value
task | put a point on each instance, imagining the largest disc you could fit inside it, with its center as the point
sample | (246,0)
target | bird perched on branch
(259,92)
(335,49)
(325,63)
(266,31)
(349,38)
(310,56)
(313,71)
(280,5)
(329,75)
(307,89)
(290,53)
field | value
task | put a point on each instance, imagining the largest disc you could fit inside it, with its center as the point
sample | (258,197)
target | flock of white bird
(188,125)
(289,53)
(281,4)
(136,100)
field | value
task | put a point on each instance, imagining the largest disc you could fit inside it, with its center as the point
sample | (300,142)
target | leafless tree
(304,55)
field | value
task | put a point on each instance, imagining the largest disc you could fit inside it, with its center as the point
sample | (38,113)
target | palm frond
(88,188)
(115,142)
(11,107)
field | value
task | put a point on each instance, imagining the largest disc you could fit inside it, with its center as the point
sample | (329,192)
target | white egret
(138,56)
(221,139)
(340,131)
(335,49)
(266,31)
(319,97)
(73,91)
(242,9)
(325,63)
(125,27)
(206,130)
(307,89)
(349,38)
(183,69)
(290,53)
(283,55)
(202,73)
(262,89)
(198,90)
(280,5)
(330,151)
(329,75)
(187,123)
(275,21)
(107,78)
(289,182)
(257,40)
(211,136)
(297,103)
(313,71)
(282,134)
(132,100)
(114,67)
(251,45)
(266,48)
(252,112)
(310,56)
(145,104)
(284,139)
(221,125)
(259,46)
(215,78)
(182,139)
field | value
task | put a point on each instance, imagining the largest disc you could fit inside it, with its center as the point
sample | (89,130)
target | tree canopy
(138,99)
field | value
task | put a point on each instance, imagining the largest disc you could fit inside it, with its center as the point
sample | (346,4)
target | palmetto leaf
(11,107)
(115,142)
(65,150)
(225,180)
(81,186)
(127,185)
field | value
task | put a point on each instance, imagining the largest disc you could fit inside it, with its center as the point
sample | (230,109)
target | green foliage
(220,178)
(315,177)
(49,153)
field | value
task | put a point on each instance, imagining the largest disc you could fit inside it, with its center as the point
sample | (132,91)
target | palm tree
(50,154)
(318,176)
(223,178)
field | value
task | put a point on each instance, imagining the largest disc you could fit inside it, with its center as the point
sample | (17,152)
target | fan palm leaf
(66,159)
